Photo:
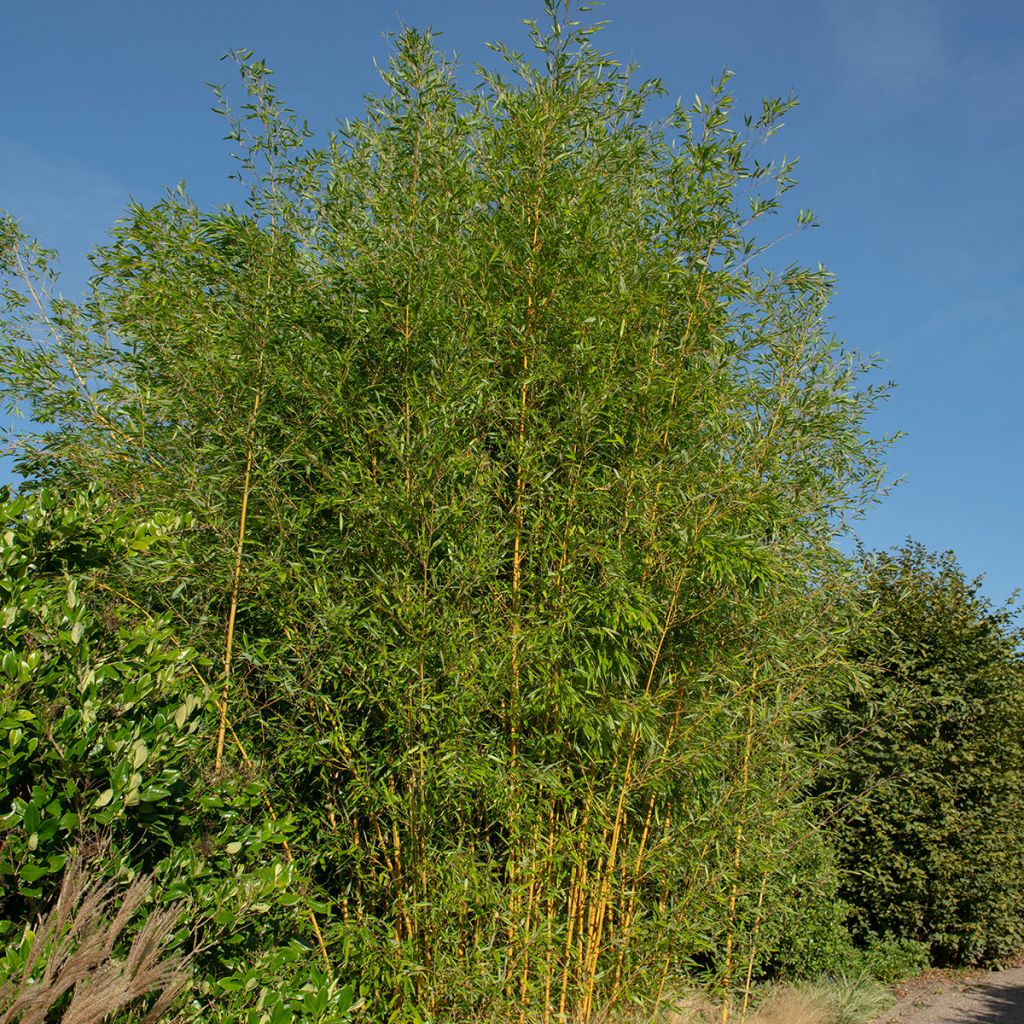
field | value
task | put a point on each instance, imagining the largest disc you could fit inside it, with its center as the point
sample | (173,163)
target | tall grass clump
(841,999)
(514,477)
(70,965)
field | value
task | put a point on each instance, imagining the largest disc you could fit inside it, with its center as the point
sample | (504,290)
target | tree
(932,771)
(514,486)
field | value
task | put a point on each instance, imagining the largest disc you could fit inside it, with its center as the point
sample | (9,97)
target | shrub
(104,734)
(98,709)
(805,932)
(931,773)
(890,959)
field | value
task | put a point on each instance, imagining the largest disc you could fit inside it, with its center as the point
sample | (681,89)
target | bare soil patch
(961,997)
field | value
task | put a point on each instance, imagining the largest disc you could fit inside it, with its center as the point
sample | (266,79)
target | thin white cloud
(56,197)
(894,44)
(65,204)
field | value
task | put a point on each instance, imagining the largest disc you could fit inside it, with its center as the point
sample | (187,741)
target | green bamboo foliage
(516,482)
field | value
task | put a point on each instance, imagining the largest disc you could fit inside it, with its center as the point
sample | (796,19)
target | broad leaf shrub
(931,774)
(97,709)
(804,930)
(104,732)
(805,925)
(513,484)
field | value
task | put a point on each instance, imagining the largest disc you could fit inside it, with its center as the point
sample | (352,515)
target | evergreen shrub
(930,773)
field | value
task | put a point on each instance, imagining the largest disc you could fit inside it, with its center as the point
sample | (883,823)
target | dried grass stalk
(74,945)
(787,1004)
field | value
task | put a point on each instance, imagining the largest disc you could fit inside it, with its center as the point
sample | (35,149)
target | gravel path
(996,998)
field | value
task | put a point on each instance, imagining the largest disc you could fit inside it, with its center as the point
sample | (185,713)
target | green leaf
(32,872)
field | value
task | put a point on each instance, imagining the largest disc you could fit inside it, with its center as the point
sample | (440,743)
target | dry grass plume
(785,1005)
(73,951)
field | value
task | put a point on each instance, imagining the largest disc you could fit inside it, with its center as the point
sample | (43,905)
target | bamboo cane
(250,455)
(753,948)
(737,852)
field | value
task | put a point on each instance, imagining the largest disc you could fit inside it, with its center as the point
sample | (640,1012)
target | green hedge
(926,797)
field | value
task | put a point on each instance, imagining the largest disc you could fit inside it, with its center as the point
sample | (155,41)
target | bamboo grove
(507,478)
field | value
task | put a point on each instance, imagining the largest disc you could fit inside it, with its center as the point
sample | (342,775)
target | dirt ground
(980,997)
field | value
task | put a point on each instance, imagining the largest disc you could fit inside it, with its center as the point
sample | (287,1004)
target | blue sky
(910,135)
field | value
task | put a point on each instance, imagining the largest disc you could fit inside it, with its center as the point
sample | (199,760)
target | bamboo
(753,948)
(550,918)
(236,575)
(569,931)
(627,924)
(620,816)
(104,421)
(686,337)
(737,852)
(394,870)
(587,934)
(577,887)
(525,972)
(517,560)
(729,936)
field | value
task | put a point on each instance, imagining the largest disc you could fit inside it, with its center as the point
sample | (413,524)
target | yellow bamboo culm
(236,576)
(630,903)
(570,928)
(574,907)
(587,911)
(250,456)
(733,898)
(512,931)
(534,889)
(595,929)
(737,851)
(550,917)
(748,984)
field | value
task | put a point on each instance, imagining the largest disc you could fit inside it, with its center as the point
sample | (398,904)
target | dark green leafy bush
(890,959)
(805,933)
(104,737)
(930,776)
(97,707)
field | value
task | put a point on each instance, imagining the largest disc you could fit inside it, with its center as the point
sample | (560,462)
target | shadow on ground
(988,1003)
